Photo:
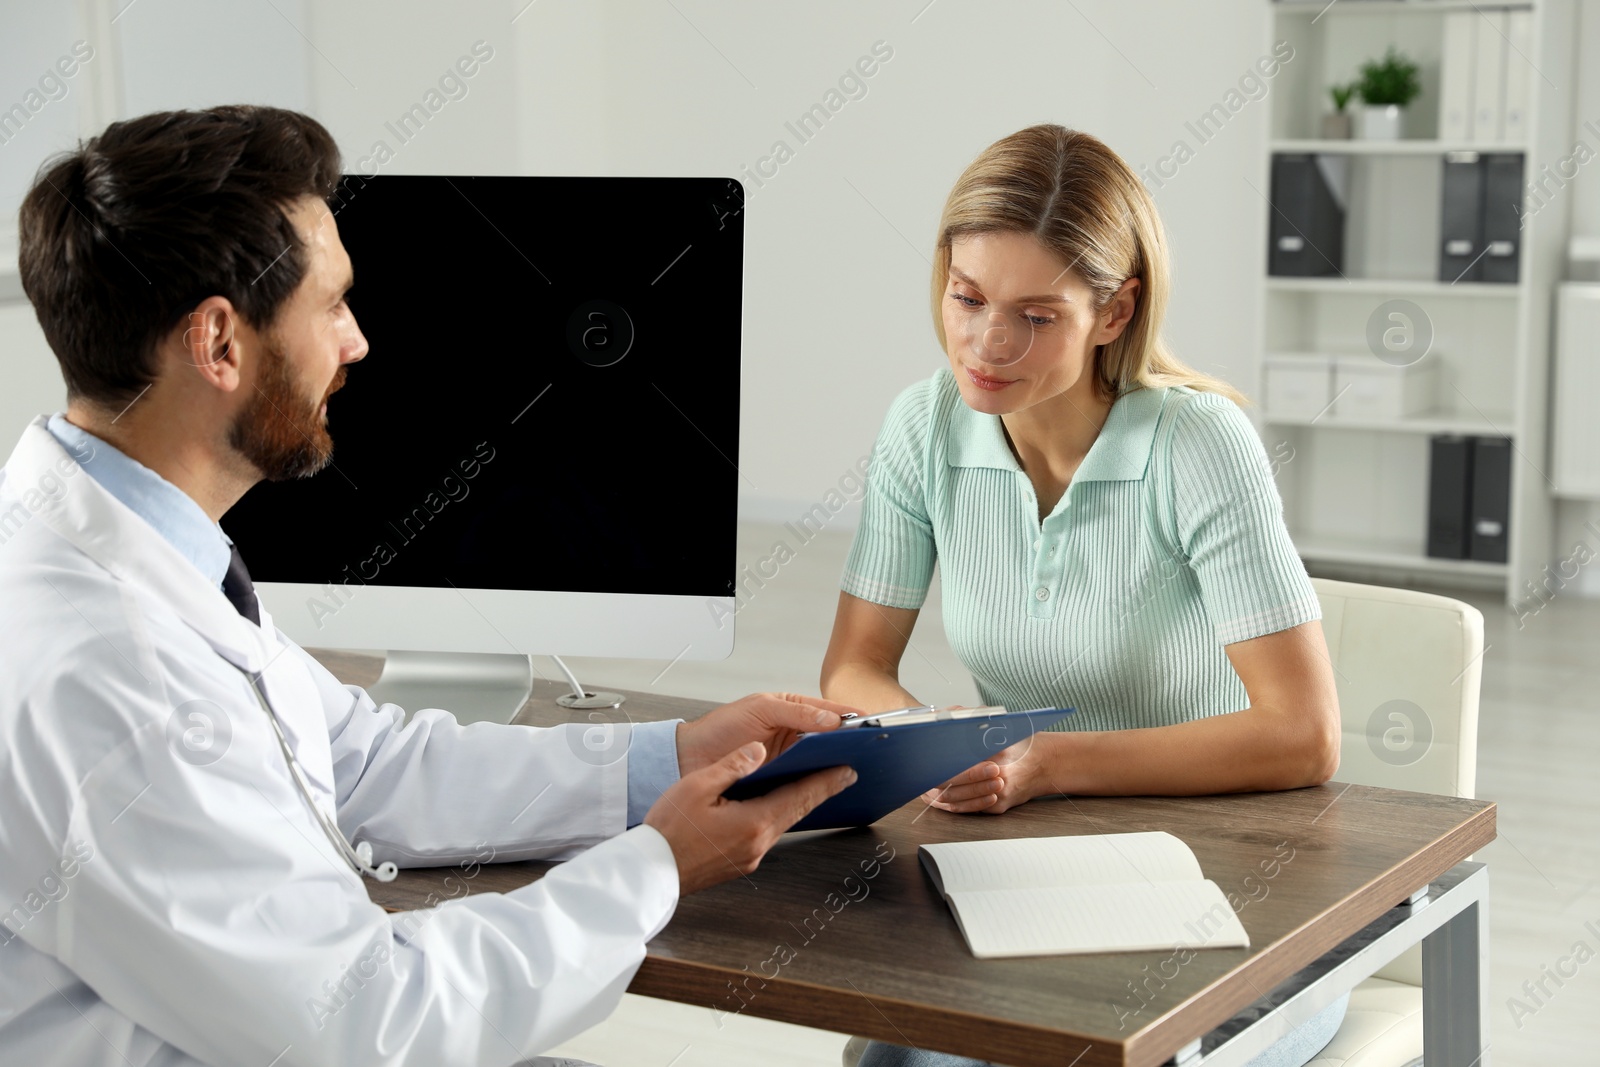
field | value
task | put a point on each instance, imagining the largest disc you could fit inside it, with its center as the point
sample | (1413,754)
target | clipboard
(894,763)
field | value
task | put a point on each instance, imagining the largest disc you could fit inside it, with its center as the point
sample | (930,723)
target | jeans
(1294,1049)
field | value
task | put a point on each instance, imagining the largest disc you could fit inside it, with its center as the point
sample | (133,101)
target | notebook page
(1037,862)
(1150,916)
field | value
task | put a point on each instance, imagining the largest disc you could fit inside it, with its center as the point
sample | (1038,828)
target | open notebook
(1051,896)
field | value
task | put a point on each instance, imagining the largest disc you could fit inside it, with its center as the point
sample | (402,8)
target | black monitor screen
(551,397)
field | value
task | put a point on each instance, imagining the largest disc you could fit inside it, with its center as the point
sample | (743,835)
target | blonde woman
(1105,519)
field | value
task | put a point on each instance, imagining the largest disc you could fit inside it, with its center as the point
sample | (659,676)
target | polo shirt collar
(1120,453)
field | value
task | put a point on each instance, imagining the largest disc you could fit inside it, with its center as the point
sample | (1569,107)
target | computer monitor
(539,453)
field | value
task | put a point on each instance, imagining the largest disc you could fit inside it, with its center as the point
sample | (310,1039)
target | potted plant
(1387,85)
(1336,123)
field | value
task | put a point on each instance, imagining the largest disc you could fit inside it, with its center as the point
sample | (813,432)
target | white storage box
(1369,388)
(1297,386)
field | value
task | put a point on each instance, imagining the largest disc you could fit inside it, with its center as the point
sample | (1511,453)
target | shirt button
(1052,550)
(1042,593)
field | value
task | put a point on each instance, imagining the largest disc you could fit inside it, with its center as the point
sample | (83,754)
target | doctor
(178,779)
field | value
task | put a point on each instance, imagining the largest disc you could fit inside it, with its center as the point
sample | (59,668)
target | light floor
(1538,744)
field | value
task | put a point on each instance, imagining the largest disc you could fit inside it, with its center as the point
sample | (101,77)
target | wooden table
(843,930)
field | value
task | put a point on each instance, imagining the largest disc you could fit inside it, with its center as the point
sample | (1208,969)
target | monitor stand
(472,686)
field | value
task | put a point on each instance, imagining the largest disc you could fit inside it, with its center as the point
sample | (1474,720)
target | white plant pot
(1381,122)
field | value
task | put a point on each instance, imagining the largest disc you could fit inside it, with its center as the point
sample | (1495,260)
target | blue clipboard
(893,764)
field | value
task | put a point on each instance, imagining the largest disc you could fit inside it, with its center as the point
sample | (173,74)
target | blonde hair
(1083,202)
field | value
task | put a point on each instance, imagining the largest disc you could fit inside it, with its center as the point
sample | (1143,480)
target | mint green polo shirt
(1168,544)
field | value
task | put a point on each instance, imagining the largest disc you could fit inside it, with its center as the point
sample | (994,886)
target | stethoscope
(360,856)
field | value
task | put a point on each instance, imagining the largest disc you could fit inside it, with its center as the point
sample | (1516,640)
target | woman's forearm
(1246,751)
(865,687)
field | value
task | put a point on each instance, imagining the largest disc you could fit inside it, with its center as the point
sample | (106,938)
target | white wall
(34,38)
(835,318)
(1585,188)
(374,60)
(146,56)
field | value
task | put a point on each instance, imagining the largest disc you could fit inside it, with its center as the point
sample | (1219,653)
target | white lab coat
(168,897)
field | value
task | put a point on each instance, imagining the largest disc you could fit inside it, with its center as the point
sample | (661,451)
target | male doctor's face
(283,427)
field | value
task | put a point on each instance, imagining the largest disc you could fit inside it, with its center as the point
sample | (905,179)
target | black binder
(1306,229)
(1449,496)
(1461,217)
(1491,499)
(1502,217)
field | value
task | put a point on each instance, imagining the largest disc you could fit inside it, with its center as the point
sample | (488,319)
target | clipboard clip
(919,713)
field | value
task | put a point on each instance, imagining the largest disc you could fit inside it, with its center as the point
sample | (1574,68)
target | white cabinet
(1576,432)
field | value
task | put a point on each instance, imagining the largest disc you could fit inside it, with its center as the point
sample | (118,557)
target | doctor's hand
(714,838)
(774,719)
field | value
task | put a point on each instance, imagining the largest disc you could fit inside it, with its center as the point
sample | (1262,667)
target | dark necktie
(240,591)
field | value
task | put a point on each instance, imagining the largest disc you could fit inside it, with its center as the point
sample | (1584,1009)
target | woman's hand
(1015,776)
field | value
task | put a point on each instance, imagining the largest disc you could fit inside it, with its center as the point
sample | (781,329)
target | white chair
(1407,666)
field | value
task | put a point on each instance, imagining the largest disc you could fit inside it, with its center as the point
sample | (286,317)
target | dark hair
(122,237)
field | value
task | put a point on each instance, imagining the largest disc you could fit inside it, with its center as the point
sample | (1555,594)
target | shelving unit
(1398,555)
(1423,424)
(1355,489)
(1408,147)
(1311,8)
(1393,287)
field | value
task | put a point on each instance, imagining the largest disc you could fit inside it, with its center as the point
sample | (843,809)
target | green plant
(1390,80)
(1341,94)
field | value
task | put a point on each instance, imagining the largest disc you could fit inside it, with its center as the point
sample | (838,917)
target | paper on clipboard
(921,713)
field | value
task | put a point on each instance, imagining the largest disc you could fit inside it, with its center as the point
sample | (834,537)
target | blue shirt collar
(172,512)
